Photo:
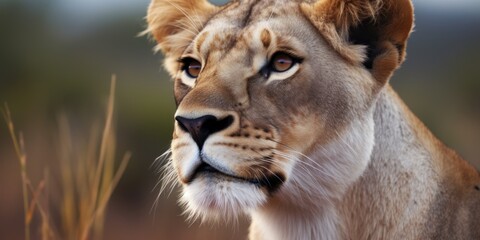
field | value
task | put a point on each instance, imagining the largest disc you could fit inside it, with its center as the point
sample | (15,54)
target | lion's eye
(281,62)
(191,67)
(281,65)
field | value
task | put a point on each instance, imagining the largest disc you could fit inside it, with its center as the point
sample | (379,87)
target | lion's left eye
(281,62)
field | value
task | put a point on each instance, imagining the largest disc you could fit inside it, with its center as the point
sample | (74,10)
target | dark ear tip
(386,62)
(385,36)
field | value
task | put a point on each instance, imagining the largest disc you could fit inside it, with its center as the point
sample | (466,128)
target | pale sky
(449,5)
(96,6)
(85,13)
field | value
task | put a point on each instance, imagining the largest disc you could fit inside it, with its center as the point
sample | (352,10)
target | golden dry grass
(87,178)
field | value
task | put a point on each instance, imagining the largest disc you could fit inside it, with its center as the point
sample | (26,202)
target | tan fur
(334,18)
(352,160)
(175,23)
(266,38)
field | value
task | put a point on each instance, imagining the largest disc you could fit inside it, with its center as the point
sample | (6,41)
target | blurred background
(57,57)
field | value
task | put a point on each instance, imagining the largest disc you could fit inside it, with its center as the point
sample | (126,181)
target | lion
(285,114)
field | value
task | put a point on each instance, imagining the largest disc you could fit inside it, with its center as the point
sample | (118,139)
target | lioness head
(274,97)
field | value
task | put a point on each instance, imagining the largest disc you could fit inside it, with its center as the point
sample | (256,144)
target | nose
(201,128)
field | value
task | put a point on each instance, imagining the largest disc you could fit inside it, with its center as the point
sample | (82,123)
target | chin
(212,197)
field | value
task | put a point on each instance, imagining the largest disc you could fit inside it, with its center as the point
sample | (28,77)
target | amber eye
(281,62)
(191,67)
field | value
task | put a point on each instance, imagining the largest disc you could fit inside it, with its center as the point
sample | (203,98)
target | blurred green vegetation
(440,81)
(44,73)
(51,64)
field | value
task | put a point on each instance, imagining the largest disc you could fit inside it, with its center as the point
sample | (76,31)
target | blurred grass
(19,146)
(88,177)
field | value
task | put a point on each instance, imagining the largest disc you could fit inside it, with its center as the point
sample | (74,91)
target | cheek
(302,111)
(180,90)
(301,132)
(293,95)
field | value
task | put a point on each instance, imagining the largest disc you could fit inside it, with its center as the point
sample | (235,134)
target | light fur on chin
(220,201)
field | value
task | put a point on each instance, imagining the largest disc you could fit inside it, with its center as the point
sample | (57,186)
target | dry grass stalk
(87,190)
(88,178)
(22,159)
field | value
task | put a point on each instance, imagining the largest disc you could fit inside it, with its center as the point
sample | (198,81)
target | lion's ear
(174,23)
(383,26)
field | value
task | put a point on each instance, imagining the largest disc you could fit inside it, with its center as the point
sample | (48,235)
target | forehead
(243,12)
(246,20)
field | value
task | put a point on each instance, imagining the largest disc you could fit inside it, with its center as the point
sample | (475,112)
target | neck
(371,156)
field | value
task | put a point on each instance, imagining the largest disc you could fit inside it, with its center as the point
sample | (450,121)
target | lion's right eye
(191,67)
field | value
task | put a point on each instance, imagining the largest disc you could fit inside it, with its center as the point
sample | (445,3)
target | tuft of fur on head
(349,13)
(175,23)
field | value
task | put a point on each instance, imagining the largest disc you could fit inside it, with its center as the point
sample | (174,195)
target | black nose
(202,127)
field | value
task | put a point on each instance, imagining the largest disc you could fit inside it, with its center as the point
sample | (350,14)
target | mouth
(271,182)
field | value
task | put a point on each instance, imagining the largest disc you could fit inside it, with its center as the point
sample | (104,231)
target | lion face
(259,91)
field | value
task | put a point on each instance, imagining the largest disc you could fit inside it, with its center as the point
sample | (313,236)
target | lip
(271,182)
(209,169)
